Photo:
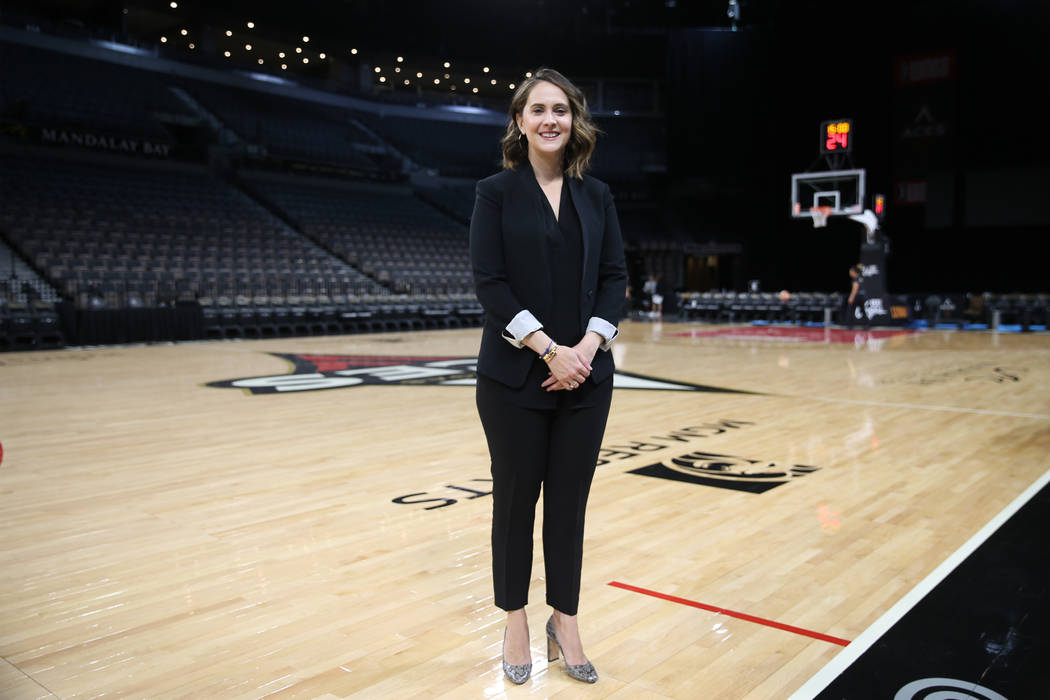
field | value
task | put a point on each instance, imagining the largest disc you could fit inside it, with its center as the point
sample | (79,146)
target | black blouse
(565,261)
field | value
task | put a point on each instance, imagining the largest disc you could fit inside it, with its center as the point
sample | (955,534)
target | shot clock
(836,136)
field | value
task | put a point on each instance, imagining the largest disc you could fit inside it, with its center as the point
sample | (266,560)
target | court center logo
(725,471)
(317,372)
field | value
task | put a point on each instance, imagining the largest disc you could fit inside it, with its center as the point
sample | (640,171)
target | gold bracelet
(549,355)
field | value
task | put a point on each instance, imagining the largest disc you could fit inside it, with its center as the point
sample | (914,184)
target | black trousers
(553,448)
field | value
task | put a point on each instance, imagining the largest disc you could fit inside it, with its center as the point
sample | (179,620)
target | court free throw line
(732,613)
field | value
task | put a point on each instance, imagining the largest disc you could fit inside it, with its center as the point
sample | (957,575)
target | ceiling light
(382,78)
(174,5)
(321,56)
(406,82)
(485,69)
(247,47)
(251,25)
(192,45)
(419,75)
(229,32)
(353,51)
(280,54)
(305,59)
(400,59)
(226,54)
(298,49)
(437,81)
(183,32)
(511,86)
(306,39)
(260,61)
(446,76)
(378,69)
(474,90)
(284,66)
(164,40)
(466,80)
(447,64)
(528,75)
(492,82)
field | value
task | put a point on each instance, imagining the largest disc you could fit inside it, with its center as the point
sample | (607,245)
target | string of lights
(248,43)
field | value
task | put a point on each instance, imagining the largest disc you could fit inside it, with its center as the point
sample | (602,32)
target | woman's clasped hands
(571,366)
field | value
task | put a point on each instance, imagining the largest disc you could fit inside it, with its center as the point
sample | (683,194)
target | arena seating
(1005,312)
(454,149)
(384,230)
(53,89)
(29,326)
(1016,311)
(733,307)
(138,235)
(453,198)
(122,248)
(110,235)
(19,282)
(1029,311)
(28,319)
(290,129)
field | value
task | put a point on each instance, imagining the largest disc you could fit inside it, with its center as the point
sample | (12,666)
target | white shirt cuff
(604,329)
(520,326)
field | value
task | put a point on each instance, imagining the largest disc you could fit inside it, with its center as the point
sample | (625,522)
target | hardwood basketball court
(169,535)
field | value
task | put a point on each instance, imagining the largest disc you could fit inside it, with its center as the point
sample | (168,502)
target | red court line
(732,613)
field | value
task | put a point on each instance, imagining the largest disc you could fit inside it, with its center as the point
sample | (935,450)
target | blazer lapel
(588,219)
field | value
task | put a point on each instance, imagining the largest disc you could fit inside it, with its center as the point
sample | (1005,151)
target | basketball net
(820,216)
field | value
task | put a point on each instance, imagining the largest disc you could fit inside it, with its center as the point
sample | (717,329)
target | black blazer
(508,252)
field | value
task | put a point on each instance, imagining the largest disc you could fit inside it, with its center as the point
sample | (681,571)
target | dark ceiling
(622,38)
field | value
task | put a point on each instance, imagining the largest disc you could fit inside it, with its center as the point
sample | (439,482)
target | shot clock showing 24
(836,136)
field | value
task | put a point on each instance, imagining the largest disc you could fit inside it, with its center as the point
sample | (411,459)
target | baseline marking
(732,613)
(868,637)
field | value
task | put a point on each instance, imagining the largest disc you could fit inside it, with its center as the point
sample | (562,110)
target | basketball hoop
(820,216)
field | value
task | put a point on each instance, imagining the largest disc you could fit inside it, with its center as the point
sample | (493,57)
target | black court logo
(317,372)
(725,471)
(451,494)
(975,372)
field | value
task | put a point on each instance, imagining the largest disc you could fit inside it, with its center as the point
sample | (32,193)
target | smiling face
(546,120)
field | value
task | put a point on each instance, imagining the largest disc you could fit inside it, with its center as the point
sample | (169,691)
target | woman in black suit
(549,271)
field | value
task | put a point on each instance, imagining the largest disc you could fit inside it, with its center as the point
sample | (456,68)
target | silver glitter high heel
(583,672)
(517,674)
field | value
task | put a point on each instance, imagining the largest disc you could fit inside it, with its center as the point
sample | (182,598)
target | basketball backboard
(842,190)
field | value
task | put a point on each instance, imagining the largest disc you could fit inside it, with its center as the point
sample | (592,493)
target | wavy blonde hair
(584,133)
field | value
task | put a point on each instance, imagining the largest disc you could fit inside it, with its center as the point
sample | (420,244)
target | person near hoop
(856,297)
(549,271)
